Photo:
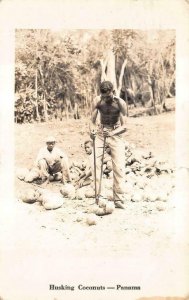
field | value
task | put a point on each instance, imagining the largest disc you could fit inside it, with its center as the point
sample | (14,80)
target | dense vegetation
(58,72)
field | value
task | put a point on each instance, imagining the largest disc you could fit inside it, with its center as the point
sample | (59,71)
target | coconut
(107,194)
(150,195)
(91,219)
(74,176)
(93,209)
(89,193)
(129,188)
(79,217)
(32,175)
(107,183)
(127,197)
(140,183)
(51,200)
(37,194)
(28,195)
(102,202)
(21,173)
(80,194)
(110,207)
(161,207)
(68,191)
(162,196)
(52,204)
(138,196)
(100,211)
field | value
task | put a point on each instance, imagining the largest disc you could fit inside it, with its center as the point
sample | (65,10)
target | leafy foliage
(54,69)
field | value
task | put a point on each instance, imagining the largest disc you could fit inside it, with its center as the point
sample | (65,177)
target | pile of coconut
(146,178)
(48,199)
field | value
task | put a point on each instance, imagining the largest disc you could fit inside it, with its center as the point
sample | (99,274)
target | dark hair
(106,86)
(88,142)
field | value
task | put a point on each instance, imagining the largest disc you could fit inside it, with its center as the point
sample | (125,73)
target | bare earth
(135,246)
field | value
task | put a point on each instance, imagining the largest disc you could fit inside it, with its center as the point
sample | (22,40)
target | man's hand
(107,133)
(46,181)
(80,183)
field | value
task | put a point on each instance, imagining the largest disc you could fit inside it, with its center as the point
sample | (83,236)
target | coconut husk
(68,191)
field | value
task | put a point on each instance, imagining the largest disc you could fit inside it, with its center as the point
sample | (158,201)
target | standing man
(112,112)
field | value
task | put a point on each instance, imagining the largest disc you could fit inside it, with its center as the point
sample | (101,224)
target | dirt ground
(135,246)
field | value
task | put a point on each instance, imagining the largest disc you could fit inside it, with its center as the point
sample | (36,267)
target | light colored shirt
(50,156)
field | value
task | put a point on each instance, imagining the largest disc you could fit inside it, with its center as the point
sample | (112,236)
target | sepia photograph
(99,205)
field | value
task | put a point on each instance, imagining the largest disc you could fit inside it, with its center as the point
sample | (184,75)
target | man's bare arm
(122,105)
(92,125)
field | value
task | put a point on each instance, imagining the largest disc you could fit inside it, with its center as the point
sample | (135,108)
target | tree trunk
(109,71)
(121,77)
(103,70)
(45,108)
(152,102)
(36,102)
(126,99)
(111,74)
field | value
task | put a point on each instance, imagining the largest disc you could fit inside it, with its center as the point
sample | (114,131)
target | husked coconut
(90,193)
(161,207)
(28,195)
(93,209)
(153,197)
(102,202)
(107,183)
(127,197)
(74,176)
(150,195)
(51,200)
(137,196)
(100,211)
(68,191)
(91,219)
(32,175)
(162,196)
(110,207)
(141,183)
(80,194)
(79,217)
(129,188)
(21,173)
(37,194)
(107,194)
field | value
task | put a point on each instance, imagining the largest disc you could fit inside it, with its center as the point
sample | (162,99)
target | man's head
(106,90)
(108,150)
(50,141)
(88,147)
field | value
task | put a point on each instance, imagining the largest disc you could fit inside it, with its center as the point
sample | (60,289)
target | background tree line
(59,72)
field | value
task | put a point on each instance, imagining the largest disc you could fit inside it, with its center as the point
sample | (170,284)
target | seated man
(51,163)
(85,177)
